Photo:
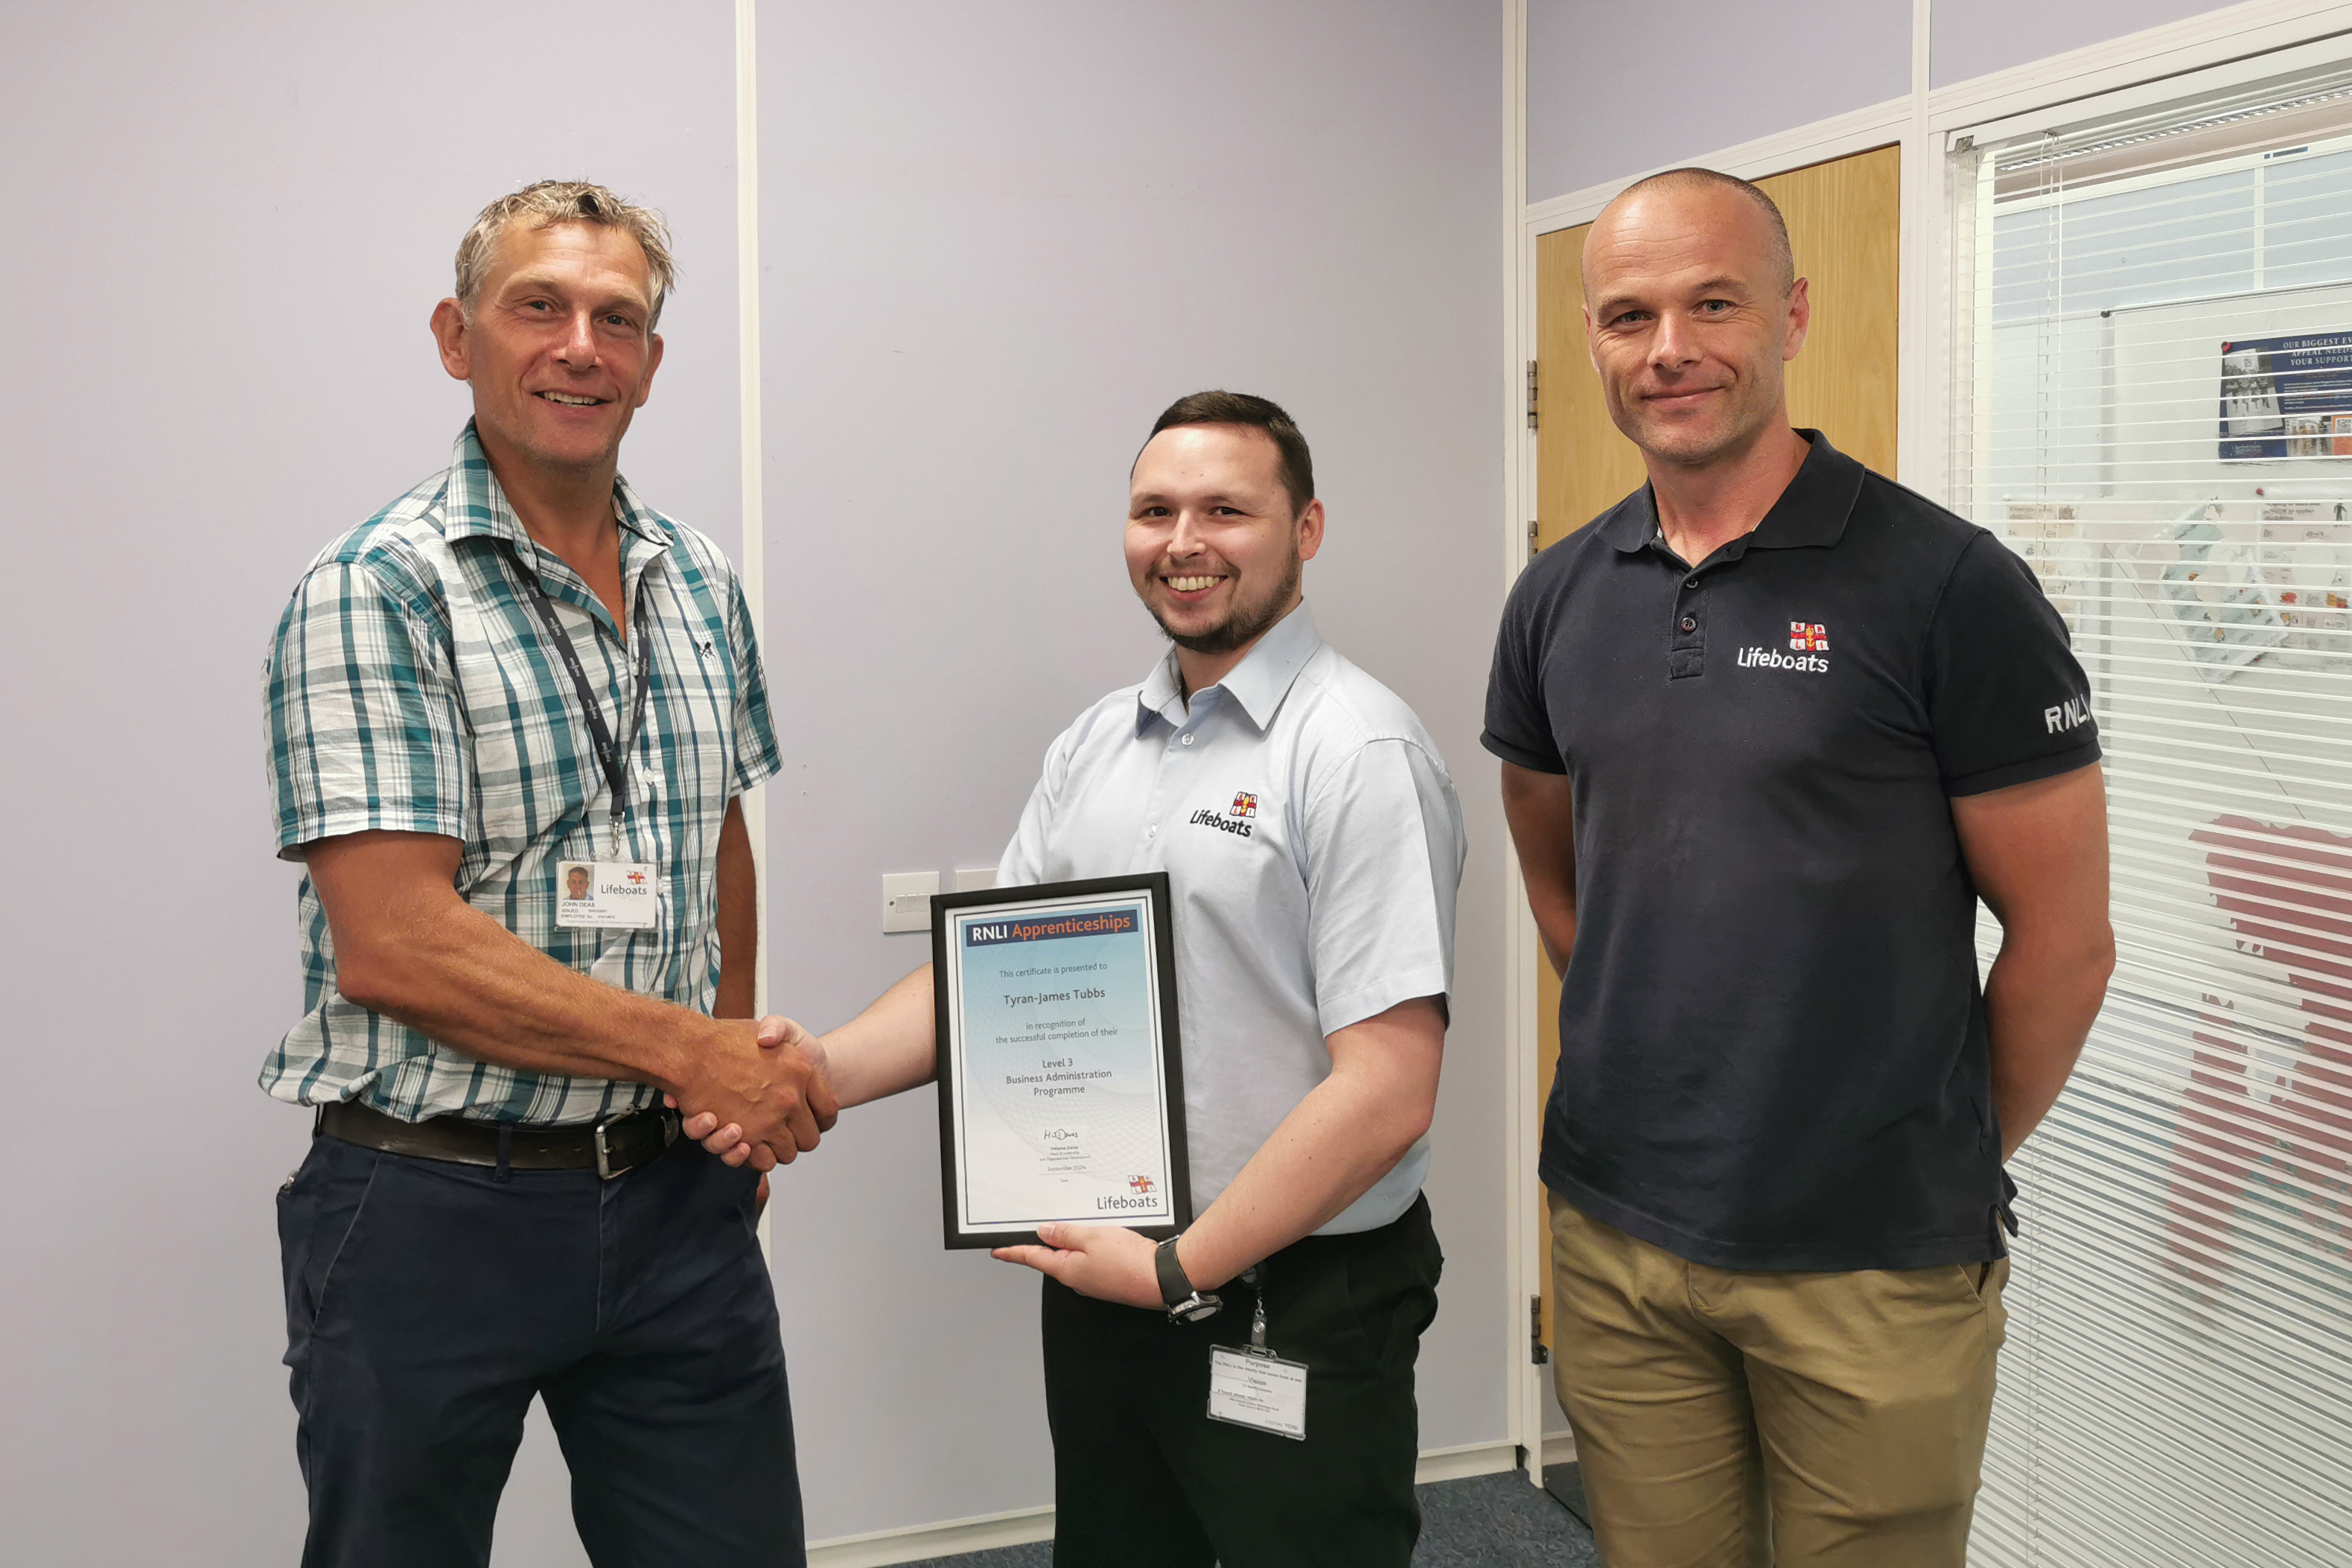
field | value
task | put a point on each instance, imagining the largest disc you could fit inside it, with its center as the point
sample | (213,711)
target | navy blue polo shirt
(1773,1037)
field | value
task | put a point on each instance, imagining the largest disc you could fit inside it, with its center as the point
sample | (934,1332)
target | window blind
(2152,404)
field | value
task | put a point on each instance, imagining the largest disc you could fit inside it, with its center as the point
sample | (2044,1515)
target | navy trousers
(427,1303)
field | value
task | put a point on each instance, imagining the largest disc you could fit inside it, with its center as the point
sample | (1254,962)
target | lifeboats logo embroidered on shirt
(1808,641)
(1236,821)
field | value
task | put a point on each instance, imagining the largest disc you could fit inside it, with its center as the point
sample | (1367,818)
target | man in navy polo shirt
(1769,728)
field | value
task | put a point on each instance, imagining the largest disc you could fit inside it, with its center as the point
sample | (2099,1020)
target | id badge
(606,895)
(1257,1388)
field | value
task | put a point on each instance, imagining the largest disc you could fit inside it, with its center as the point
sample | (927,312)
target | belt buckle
(604,1172)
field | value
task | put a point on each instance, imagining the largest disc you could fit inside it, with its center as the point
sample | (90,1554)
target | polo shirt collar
(1257,684)
(1811,511)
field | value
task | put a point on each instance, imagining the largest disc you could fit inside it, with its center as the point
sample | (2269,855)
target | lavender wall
(1986,35)
(226,227)
(1615,90)
(996,242)
(1610,96)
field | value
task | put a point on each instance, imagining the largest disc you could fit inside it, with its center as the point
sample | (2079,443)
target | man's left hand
(1109,1263)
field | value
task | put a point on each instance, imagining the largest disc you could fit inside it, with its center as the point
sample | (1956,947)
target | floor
(1486,1521)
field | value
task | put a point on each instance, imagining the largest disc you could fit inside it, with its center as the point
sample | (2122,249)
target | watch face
(1193,1311)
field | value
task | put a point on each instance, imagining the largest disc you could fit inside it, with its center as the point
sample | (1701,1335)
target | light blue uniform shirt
(1311,838)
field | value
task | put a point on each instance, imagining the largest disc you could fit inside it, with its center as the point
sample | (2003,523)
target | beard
(1246,623)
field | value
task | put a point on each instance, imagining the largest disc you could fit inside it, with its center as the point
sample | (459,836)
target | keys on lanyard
(1253,1386)
(614,893)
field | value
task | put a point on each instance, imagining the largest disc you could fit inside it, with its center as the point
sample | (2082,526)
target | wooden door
(1843,227)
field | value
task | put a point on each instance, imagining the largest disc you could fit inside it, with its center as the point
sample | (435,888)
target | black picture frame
(1154,884)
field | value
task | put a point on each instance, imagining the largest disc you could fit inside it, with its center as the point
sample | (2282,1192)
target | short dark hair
(1754,193)
(1298,466)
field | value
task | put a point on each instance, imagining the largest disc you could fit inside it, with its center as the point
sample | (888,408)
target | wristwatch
(1185,1305)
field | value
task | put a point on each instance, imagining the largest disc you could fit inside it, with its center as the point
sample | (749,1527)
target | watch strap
(1175,1289)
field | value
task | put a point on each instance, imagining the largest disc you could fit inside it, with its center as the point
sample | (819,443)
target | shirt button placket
(1169,787)
(1686,655)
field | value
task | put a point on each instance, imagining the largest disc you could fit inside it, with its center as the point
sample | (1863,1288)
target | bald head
(1692,311)
(1687,196)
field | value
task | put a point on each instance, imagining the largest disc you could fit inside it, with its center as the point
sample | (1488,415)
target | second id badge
(1257,1388)
(607,895)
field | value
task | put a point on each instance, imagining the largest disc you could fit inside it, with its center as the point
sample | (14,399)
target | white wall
(227,226)
(998,241)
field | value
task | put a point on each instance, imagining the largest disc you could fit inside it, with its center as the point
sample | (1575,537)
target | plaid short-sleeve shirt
(411,685)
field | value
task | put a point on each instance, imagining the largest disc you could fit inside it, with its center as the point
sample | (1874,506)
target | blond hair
(546,202)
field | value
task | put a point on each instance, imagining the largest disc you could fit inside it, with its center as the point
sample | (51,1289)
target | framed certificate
(1061,1081)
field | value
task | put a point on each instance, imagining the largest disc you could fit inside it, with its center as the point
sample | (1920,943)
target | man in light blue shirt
(1313,846)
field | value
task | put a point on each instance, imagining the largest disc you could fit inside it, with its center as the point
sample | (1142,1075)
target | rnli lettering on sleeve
(1763,748)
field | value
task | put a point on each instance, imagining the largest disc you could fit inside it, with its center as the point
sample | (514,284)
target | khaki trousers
(1726,1419)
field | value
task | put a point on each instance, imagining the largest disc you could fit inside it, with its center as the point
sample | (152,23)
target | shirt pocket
(534,764)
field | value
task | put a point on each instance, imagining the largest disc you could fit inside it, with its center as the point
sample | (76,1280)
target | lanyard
(614,759)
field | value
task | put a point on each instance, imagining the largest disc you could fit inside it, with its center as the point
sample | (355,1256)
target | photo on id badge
(607,894)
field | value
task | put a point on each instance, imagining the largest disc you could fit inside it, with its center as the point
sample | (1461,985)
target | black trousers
(1143,1479)
(426,1302)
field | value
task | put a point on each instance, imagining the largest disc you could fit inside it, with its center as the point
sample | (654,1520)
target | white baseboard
(1465,1461)
(913,1543)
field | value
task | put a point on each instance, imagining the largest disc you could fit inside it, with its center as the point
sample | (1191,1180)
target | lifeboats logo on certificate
(1066,1116)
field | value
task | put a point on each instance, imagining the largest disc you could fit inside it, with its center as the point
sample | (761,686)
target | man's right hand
(763,1098)
(883,1050)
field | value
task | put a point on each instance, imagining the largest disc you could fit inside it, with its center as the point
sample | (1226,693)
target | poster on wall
(2286,397)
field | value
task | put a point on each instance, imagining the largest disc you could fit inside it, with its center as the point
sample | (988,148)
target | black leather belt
(610,1148)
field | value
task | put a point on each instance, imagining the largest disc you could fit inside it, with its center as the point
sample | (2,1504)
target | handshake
(762,1098)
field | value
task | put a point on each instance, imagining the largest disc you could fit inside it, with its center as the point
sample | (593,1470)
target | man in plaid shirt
(510,718)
